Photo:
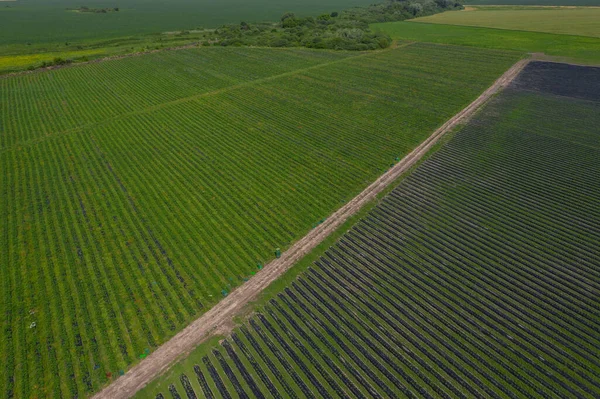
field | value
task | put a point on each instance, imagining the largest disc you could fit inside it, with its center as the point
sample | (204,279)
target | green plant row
(135,195)
(476,276)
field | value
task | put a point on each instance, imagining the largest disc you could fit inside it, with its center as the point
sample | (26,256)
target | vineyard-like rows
(37,105)
(135,194)
(477,277)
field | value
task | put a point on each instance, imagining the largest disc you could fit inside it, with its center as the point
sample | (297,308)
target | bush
(280,42)
(351,34)
(383,42)
(288,15)
(232,42)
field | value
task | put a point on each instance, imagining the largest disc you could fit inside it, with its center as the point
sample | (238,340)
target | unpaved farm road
(219,318)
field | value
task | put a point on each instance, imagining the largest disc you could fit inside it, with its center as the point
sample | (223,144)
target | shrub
(279,42)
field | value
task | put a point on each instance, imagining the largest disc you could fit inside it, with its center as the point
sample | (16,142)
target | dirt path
(219,317)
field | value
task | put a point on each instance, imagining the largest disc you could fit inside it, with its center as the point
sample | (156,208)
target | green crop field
(35,21)
(135,193)
(564,47)
(478,276)
(33,32)
(571,21)
(69,32)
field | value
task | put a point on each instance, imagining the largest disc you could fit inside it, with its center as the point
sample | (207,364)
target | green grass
(477,275)
(134,192)
(563,47)
(570,21)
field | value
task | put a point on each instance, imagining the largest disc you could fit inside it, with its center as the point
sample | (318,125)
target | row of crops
(477,277)
(36,105)
(135,194)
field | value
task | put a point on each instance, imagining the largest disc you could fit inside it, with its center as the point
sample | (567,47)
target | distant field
(566,3)
(570,48)
(136,193)
(45,21)
(571,21)
(478,276)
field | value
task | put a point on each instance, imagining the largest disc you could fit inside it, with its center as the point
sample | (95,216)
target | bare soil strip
(219,318)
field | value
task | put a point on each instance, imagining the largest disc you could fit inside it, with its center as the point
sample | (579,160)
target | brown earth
(219,318)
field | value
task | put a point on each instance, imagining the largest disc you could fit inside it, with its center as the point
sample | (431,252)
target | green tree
(415,8)
(288,15)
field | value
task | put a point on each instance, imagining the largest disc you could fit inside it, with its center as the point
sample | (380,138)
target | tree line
(345,30)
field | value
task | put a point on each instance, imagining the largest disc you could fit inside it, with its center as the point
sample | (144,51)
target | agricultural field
(569,48)
(136,193)
(97,38)
(45,21)
(581,21)
(39,33)
(478,276)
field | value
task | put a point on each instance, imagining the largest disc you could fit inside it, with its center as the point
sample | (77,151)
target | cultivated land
(347,29)
(571,21)
(478,276)
(579,49)
(44,21)
(219,319)
(41,32)
(136,193)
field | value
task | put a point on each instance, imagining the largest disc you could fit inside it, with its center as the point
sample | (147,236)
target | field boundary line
(193,97)
(219,318)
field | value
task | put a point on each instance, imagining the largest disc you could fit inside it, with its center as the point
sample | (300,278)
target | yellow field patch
(11,62)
